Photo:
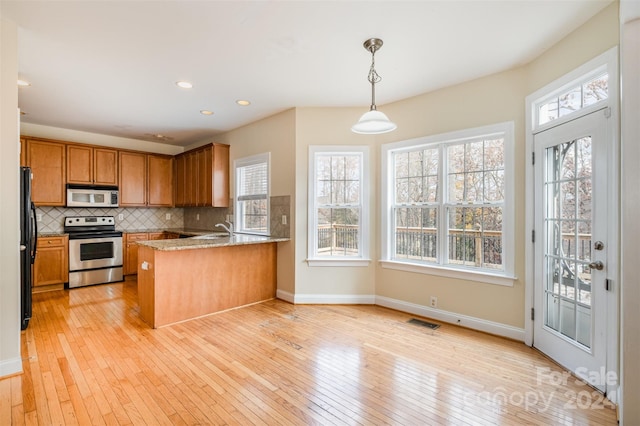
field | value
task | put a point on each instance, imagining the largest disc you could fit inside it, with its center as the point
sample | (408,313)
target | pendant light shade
(373,122)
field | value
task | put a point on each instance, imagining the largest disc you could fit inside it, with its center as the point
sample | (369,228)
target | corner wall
(275,134)
(10,360)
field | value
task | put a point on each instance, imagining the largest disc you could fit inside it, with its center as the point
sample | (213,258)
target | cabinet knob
(49,242)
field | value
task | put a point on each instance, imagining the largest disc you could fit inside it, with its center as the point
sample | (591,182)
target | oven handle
(94,235)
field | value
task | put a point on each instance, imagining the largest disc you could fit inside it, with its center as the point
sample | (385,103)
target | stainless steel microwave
(92,196)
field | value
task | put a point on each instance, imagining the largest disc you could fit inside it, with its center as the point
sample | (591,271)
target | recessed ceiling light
(206,112)
(184,84)
(243,103)
(23,83)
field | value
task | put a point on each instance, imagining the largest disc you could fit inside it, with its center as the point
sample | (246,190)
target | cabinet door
(131,252)
(220,178)
(23,152)
(160,181)
(51,265)
(105,166)
(79,164)
(48,166)
(132,169)
(180,184)
(191,180)
(203,193)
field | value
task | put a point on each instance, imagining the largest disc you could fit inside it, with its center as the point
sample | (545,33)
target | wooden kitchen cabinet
(132,171)
(202,177)
(48,166)
(91,165)
(131,251)
(51,268)
(160,180)
(179,178)
(23,152)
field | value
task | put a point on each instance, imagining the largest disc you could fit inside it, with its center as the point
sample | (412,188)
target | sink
(208,237)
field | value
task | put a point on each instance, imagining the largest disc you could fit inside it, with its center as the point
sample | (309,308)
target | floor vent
(423,323)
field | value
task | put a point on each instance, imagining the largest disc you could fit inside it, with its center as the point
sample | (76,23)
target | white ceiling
(110,67)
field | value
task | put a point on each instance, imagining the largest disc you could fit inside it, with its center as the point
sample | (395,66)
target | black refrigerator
(28,241)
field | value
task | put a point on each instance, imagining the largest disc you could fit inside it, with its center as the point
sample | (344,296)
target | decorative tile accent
(133,218)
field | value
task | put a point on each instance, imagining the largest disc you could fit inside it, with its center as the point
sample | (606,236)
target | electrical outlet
(120,216)
(167,216)
(434,302)
(197,216)
(39,217)
(284,219)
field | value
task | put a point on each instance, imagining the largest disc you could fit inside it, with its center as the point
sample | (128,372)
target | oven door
(93,253)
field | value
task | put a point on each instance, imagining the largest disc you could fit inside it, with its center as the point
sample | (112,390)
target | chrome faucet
(229,228)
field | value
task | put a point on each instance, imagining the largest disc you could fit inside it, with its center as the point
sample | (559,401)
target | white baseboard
(479,324)
(10,367)
(326,299)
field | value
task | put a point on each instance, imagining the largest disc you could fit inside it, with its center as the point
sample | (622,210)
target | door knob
(597,265)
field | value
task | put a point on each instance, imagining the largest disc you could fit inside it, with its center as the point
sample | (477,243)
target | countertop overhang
(209,241)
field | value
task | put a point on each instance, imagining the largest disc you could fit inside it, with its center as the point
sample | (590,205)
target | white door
(571,243)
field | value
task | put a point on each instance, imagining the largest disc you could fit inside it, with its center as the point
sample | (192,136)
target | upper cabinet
(89,165)
(133,179)
(202,177)
(145,180)
(159,180)
(47,162)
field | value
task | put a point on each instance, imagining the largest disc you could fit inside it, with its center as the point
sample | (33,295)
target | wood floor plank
(89,359)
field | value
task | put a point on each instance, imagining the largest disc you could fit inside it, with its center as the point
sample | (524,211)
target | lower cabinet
(131,251)
(131,248)
(51,268)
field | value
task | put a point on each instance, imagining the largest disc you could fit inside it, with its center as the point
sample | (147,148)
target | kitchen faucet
(229,228)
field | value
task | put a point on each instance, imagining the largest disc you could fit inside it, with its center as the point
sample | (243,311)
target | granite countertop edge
(191,244)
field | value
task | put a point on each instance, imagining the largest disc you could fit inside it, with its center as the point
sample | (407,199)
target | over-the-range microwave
(92,195)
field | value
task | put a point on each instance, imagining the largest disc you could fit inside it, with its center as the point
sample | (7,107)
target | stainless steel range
(95,250)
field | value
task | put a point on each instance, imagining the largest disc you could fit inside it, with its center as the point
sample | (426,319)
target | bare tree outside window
(450,211)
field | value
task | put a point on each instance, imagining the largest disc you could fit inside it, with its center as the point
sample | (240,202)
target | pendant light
(373,122)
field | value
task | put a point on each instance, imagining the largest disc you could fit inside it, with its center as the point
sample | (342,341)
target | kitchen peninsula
(183,279)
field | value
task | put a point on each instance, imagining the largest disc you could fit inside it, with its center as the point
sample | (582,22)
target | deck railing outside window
(466,247)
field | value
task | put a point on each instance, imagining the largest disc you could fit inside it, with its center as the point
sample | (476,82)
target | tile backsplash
(133,218)
(207,217)
(140,219)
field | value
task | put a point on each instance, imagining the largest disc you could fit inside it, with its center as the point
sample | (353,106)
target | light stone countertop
(209,241)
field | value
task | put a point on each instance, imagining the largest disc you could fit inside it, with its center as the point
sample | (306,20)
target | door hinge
(533,314)
(533,158)
(533,235)
(608,285)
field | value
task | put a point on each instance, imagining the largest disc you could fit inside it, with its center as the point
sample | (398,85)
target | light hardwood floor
(89,359)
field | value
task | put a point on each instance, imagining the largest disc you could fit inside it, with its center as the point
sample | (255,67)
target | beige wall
(330,126)
(494,99)
(78,136)
(275,134)
(594,37)
(630,111)
(10,360)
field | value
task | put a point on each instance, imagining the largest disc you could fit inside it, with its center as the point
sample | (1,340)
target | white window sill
(463,274)
(339,262)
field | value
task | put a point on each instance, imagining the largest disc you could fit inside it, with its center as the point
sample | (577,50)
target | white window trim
(505,277)
(248,161)
(363,259)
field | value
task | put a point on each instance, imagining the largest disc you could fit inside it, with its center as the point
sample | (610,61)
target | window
(338,206)
(252,194)
(590,90)
(448,204)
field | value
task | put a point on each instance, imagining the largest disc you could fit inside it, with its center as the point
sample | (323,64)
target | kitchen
(289,133)
(83,193)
